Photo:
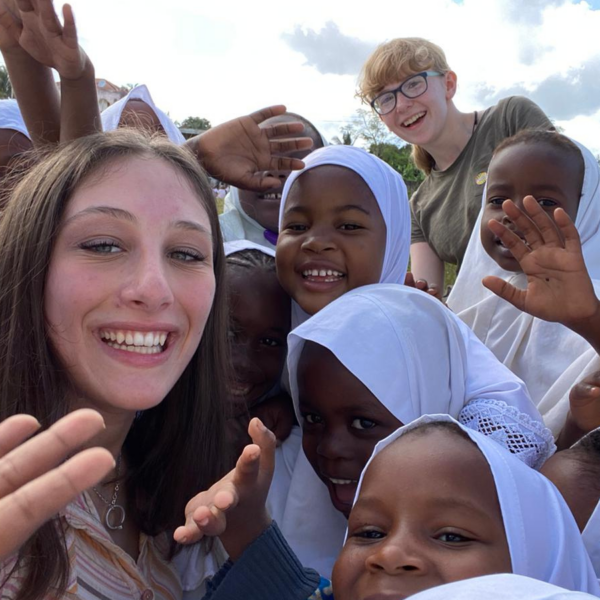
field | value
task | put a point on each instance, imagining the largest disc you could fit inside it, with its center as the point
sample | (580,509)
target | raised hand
(421,284)
(240,153)
(559,287)
(47,41)
(10,26)
(31,490)
(234,507)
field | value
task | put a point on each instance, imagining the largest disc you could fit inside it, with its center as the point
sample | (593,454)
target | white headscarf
(591,538)
(10,117)
(111,117)
(504,586)
(415,357)
(390,192)
(549,357)
(237,225)
(543,537)
(241,245)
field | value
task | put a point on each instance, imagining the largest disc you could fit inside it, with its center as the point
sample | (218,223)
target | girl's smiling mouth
(142,342)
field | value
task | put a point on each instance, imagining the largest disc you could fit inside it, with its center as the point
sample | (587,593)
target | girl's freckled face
(332,237)
(133,256)
(427,514)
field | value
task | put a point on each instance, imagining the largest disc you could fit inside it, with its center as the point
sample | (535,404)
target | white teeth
(342,481)
(323,273)
(148,342)
(413,119)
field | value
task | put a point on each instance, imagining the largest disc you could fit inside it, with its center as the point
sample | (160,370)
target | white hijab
(390,192)
(543,537)
(10,117)
(549,357)
(241,245)
(416,357)
(112,115)
(504,586)
(237,225)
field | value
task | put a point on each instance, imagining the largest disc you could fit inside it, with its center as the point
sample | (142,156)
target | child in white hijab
(344,222)
(377,358)
(250,215)
(137,109)
(548,356)
(437,503)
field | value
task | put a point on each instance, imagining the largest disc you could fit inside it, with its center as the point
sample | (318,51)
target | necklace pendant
(118,517)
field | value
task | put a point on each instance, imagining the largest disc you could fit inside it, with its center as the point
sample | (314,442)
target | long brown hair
(173,450)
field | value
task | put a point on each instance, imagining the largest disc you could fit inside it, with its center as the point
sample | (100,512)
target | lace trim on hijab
(528,439)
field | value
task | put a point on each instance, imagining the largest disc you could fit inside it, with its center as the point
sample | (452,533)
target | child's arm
(584,411)
(559,287)
(240,153)
(55,45)
(33,83)
(31,489)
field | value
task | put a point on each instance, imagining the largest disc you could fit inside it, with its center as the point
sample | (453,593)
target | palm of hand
(559,287)
(10,25)
(48,46)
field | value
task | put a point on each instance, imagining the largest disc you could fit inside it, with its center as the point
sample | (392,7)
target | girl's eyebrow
(124,215)
(346,207)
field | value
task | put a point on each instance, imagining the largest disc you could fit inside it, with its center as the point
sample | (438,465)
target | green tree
(367,126)
(6,90)
(195,123)
(400,160)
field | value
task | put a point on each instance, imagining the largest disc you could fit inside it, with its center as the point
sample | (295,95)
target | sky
(222,59)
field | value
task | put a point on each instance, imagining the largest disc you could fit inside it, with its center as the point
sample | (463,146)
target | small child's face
(260,321)
(139,115)
(263,206)
(427,514)
(552,177)
(12,145)
(342,421)
(332,238)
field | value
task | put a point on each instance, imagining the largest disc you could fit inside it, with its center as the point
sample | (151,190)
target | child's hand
(421,284)
(31,490)
(559,287)
(277,414)
(47,41)
(584,401)
(10,25)
(241,153)
(234,507)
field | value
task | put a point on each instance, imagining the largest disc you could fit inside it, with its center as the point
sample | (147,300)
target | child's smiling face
(342,422)
(553,177)
(427,514)
(332,237)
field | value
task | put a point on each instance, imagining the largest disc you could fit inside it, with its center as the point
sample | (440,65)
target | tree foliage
(6,90)
(195,123)
(399,159)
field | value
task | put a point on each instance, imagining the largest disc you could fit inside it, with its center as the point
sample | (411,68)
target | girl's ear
(450,82)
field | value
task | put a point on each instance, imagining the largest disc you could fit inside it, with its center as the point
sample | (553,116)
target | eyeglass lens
(411,88)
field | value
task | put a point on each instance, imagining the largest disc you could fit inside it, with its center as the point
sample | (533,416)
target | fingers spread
(511,240)
(293,145)
(546,227)
(505,290)
(266,113)
(568,230)
(15,430)
(283,130)
(47,449)
(28,508)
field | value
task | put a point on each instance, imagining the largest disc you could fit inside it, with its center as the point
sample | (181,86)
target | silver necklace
(115,513)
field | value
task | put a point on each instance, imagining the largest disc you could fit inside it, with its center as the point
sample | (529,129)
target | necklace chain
(113,507)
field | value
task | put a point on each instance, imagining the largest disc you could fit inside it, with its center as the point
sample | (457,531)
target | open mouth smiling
(140,342)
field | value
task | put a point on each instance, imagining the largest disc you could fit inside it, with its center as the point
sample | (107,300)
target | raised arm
(55,45)
(32,82)
(239,152)
(427,268)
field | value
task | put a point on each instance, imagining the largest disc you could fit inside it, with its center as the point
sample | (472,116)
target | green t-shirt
(446,205)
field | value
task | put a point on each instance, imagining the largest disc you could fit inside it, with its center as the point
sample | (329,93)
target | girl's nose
(335,445)
(148,286)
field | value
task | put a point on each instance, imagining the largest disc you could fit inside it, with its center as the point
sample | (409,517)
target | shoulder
(519,112)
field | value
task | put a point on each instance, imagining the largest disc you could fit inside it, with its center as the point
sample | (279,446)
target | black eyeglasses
(413,87)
